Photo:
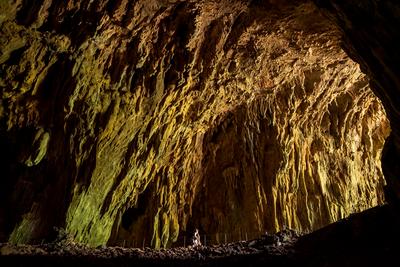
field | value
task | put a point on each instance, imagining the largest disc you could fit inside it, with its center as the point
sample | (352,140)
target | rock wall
(371,28)
(136,121)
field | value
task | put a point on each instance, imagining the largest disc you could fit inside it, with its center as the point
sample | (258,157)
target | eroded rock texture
(134,121)
(371,28)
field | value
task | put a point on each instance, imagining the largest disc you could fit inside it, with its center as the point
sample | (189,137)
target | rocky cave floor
(370,238)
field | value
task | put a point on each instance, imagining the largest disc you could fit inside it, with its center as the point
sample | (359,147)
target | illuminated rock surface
(371,28)
(136,121)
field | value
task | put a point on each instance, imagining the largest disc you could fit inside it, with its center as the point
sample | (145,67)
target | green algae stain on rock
(24,232)
(84,221)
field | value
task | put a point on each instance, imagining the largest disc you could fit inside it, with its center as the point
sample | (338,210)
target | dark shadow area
(228,193)
(133,213)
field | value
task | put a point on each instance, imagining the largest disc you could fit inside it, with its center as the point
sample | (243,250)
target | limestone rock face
(371,28)
(131,122)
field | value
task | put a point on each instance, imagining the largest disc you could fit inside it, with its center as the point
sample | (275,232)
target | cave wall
(370,29)
(129,122)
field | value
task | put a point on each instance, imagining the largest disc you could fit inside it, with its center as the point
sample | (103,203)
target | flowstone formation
(130,122)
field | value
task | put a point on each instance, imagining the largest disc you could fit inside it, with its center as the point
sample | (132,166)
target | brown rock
(162,116)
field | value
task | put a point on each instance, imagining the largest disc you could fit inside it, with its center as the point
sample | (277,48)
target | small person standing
(196,239)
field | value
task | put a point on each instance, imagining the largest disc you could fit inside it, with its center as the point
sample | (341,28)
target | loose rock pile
(276,244)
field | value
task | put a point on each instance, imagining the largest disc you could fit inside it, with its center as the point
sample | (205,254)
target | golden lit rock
(161,116)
